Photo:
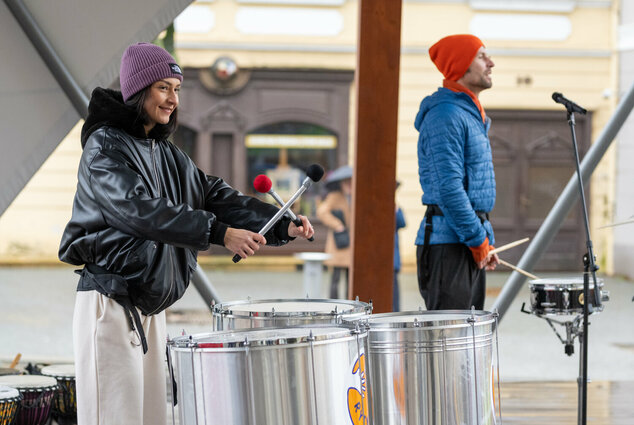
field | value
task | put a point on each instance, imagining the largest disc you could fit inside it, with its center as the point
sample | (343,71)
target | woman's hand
(305,230)
(243,242)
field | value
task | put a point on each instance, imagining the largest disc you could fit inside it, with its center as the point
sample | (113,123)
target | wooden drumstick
(517,269)
(508,246)
(15,361)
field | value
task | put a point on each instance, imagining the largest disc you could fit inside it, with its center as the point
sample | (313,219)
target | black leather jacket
(143,209)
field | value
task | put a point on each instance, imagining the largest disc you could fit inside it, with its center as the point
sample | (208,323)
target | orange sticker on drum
(357,397)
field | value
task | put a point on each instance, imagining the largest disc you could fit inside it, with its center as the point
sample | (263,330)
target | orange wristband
(480,252)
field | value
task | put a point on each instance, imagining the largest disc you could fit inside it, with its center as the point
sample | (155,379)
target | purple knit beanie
(142,64)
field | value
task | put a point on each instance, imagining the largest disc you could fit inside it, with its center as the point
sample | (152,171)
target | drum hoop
(231,309)
(555,284)
(45,389)
(561,286)
(480,317)
(189,341)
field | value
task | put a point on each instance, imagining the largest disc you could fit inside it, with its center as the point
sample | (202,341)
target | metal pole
(564,203)
(68,84)
(204,287)
(80,102)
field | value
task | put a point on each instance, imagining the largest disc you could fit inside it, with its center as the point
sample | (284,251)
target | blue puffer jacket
(455,168)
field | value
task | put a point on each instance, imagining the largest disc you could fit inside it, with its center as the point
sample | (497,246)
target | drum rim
(230,308)
(561,284)
(51,371)
(14,393)
(29,386)
(188,342)
(482,317)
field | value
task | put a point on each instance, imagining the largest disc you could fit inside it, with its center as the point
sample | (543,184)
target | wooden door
(534,160)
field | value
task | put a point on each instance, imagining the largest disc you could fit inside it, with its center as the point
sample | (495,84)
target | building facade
(269,88)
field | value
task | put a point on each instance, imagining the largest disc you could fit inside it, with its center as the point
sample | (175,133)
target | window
(283,151)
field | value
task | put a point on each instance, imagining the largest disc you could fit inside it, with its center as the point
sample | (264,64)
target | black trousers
(449,279)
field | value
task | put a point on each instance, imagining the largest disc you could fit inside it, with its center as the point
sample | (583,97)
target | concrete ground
(36,308)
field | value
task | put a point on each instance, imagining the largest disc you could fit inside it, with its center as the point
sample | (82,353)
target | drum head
(8,393)
(425,319)
(291,307)
(25,382)
(562,283)
(261,337)
(59,370)
(9,371)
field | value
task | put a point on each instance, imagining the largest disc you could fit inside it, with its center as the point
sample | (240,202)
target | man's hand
(243,242)
(305,230)
(492,261)
(482,257)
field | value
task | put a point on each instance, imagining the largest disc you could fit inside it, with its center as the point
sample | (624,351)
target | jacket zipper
(156,176)
(169,293)
(158,185)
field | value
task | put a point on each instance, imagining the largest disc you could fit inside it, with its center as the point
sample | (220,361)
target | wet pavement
(36,308)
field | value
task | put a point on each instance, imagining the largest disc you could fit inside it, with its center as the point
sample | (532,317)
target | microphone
(569,104)
(263,184)
(314,173)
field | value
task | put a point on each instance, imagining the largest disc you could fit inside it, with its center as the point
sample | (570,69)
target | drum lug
(605,295)
(471,320)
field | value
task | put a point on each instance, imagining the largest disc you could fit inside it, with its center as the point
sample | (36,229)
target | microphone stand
(589,267)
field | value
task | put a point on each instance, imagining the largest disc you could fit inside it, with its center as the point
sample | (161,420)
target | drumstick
(517,269)
(508,246)
(631,220)
(15,361)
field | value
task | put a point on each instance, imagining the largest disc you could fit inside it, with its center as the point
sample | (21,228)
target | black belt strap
(434,210)
(124,301)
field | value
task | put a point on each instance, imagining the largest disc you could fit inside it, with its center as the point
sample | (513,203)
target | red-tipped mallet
(263,184)
(313,174)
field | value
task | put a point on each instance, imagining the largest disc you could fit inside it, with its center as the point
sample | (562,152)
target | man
(456,175)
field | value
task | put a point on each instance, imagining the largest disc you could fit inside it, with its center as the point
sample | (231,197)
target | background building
(269,88)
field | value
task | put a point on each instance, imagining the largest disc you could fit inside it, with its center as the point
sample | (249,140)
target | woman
(334,212)
(141,213)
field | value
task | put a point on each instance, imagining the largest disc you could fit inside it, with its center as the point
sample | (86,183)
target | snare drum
(65,401)
(286,376)
(37,396)
(432,367)
(560,295)
(251,314)
(9,402)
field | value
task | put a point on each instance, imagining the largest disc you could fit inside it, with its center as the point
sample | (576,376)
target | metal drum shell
(431,368)
(560,296)
(272,379)
(250,314)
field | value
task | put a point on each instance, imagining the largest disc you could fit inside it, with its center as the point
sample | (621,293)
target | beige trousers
(116,383)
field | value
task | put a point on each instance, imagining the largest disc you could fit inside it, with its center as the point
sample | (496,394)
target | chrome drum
(250,314)
(432,367)
(291,376)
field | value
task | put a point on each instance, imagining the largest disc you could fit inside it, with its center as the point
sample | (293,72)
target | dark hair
(137,101)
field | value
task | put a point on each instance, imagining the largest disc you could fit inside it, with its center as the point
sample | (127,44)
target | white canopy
(88,37)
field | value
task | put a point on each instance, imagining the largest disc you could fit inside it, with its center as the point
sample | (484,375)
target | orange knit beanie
(453,54)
